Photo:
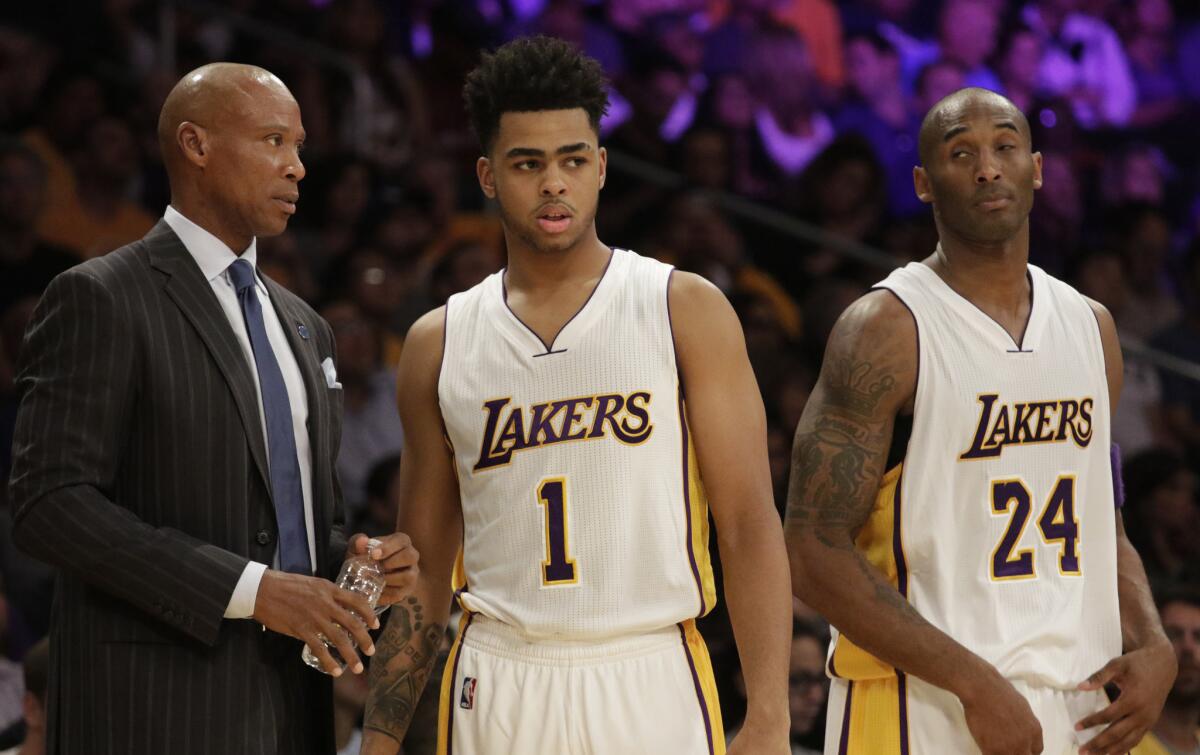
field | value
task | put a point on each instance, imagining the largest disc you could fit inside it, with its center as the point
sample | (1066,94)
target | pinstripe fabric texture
(140,470)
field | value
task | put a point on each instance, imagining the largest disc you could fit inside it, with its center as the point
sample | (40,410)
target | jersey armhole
(903,425)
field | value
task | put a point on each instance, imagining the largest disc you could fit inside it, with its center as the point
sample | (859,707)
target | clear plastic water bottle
(360,574)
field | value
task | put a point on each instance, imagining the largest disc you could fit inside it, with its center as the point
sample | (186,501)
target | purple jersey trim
(454,686)
(671,329)
(903,694)
(687,505)
(1118,481)
(844,744)
(897,540)
(550,346)
(687,652)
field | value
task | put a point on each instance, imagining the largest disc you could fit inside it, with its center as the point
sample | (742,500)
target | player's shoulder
(878,318)
(876,339)
(428,332)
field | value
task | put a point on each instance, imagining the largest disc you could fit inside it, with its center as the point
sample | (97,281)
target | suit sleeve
(77,382)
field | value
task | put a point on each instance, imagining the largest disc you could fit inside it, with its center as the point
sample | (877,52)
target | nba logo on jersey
(467,701)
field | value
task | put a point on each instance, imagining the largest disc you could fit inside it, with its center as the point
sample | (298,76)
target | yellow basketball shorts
(902,715)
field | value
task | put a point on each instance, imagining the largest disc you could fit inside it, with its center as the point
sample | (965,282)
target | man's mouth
(995,202)
(288,203)
(554,219)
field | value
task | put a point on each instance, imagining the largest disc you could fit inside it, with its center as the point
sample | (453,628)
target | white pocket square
(330,371)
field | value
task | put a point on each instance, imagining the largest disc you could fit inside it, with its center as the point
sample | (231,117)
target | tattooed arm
(430,514)
(869,376)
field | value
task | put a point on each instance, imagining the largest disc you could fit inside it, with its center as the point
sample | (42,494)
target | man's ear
(922,185)
(1037,170)
(487,177)
(194,143)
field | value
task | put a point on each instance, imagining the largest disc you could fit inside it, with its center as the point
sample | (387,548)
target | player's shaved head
(944,118)
(210,96)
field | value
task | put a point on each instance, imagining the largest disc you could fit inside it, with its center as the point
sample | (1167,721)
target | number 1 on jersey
(559,567)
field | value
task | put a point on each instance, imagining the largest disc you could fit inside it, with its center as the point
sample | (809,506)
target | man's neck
(531,270)
(995,274)
(204,213)
(1177,726)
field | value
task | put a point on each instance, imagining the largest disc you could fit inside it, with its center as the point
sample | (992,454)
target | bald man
(952,507)
(174,458)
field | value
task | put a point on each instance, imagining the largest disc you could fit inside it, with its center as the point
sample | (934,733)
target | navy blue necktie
(286,489)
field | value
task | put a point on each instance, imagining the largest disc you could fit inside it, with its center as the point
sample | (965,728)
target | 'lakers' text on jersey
(998,525)
(583,512)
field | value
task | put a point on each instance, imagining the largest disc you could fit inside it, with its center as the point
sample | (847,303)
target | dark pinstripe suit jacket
(140,470)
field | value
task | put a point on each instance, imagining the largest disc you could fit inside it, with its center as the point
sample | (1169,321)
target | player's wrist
(768,717)
(976,682)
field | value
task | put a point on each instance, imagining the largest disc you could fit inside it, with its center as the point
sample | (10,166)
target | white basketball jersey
(583,513)
(999,524)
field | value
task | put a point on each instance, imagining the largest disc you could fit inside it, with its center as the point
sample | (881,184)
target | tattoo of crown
(857,388)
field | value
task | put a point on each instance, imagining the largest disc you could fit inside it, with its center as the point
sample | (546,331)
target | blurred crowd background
(765,144)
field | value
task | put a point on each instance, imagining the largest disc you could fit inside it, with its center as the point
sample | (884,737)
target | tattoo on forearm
(405,654)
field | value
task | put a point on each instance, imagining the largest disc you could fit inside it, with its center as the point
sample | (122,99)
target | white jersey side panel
(583,515)
(1002,516)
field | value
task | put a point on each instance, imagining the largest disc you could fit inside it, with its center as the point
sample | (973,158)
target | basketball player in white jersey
(951,507)
(566,421)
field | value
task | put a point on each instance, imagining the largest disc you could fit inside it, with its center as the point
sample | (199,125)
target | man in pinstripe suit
(174,457)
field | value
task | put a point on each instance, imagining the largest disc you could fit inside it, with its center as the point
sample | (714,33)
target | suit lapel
(186,286)
(308,359)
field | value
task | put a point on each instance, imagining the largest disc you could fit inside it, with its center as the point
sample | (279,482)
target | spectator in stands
(1056,228)
(1178,729)
(73,100)
(808,687)
(1137,424)
(100,215)
(937,80)
(878,110)
(1020,57)
(730,106)
(968,32)
(27,264)
(792,127)
(843,192)
(384,117)
(1138,174)
(1181,395)
(378,516)
(370,422)
(1162,514)
(1149,37)
(33,705)
(1143,235)
(343,204)
(460,267)
(1083,61)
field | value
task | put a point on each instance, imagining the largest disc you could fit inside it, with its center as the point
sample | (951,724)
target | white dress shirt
(214,259)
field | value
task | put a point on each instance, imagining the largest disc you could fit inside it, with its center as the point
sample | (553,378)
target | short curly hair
(530,74)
